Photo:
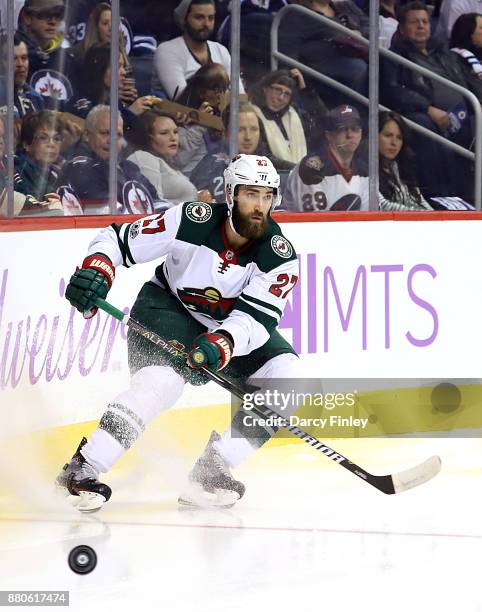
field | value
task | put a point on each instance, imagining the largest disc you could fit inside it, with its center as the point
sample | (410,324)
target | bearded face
(199,24)
(251,225)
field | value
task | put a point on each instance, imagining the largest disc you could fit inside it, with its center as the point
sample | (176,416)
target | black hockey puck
(445,398)
(82,559)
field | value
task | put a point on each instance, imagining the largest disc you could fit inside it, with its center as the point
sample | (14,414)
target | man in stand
(178,59)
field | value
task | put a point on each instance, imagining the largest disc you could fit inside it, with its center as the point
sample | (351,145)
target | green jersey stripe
(254,300)
(268,322)
(126,244)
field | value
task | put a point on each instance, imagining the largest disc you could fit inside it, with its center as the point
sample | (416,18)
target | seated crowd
(173,128)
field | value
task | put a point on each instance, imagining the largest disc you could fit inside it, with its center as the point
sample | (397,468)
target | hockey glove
(90,282)
(212,350)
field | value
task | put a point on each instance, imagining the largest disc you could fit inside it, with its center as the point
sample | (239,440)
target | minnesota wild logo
(198,212)
(207,301)
(281,247)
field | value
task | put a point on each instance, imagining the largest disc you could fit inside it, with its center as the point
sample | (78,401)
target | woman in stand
(398,188)
(96,86)
(157,139)
(287,128)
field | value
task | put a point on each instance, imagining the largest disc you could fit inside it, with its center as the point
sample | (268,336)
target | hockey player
(220,292)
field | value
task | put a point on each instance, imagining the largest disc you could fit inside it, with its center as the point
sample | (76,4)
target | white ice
(307,536)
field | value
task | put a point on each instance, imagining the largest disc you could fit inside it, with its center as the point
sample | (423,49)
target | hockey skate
(79,481)
(210,481)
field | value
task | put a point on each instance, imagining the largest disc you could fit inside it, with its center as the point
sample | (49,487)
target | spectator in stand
(336,178)
(158,142)
(208,174)
(23,204)
(83,184)
(450,10)
(204,91)
(49,65)
(288,130)
(176,60)
(466,43)
(37,164)
(98,31)
(323,48)
(26,99)
(96,86)
(428,102)
(397,183)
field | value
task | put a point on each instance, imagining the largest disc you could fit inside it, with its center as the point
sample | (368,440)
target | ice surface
(307,535)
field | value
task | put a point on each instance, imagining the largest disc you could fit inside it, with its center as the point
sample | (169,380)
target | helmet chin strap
(230,218)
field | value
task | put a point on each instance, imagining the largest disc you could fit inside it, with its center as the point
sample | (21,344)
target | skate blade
(197,497)
(85,501)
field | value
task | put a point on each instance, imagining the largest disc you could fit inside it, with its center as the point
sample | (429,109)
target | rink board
(375,299)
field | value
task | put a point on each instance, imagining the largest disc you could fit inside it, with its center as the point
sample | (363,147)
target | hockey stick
(389,484)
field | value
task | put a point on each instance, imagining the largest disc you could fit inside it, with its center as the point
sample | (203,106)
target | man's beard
(247,228)
(198,36)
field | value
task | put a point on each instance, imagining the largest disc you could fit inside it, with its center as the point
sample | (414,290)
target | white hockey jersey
(242,291)
(332,192)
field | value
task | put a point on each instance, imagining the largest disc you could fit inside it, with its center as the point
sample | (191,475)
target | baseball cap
(342,117)
(40,6)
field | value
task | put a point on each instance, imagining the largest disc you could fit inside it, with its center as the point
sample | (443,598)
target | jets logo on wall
(281,247)
(52,84)
(198,212)
(136,199)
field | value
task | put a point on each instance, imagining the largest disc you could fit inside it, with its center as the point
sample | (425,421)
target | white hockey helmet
(251,170)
